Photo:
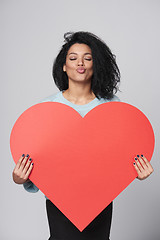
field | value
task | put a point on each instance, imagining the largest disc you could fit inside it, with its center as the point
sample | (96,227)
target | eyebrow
(76,53)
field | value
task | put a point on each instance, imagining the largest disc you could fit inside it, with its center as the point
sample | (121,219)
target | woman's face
(79,63)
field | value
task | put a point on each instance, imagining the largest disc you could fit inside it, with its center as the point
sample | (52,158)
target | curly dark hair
(106,74)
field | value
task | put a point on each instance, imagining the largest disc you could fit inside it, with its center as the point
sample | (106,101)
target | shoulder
(50,98)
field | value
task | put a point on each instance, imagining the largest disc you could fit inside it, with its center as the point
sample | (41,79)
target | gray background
(31,36)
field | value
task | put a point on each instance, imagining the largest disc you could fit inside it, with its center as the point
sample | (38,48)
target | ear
(64,68)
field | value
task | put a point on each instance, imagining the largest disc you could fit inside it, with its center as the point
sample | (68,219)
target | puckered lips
(81,70)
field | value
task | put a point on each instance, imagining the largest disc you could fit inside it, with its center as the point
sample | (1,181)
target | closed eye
(88,59)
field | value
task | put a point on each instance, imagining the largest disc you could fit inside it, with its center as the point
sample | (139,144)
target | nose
(80,62)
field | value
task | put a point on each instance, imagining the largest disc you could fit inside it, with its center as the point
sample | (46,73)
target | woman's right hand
(22,170)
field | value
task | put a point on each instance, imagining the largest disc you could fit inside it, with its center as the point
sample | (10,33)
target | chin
(80,78)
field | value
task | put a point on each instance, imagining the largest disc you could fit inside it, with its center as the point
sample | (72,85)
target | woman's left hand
(143,167)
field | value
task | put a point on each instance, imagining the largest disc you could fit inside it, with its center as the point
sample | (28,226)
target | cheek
(90,68)
(70,65)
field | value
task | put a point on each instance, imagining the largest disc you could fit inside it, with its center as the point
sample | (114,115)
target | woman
(86,73)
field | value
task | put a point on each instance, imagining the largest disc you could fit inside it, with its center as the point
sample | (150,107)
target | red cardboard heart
(82,164)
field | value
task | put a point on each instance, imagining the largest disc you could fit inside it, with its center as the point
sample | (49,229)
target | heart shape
(82,164)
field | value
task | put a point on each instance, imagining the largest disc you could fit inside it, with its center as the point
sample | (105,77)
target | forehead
(79,48)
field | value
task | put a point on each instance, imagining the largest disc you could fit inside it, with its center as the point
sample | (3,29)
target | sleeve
(30,187)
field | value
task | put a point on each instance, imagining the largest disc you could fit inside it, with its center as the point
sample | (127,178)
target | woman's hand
(22,170)
(143,167)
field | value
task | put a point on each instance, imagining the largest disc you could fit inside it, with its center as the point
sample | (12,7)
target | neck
(79,91)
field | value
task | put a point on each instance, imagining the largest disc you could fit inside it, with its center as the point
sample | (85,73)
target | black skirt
(61,228)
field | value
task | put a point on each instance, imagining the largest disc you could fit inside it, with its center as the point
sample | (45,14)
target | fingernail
(27,155)
(135,158)
(137,155)
(23,155)
(30,159)
(141,155)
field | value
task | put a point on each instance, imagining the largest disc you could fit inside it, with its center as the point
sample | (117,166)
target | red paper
(82,164)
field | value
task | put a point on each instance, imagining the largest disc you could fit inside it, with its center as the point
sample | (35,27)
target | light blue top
(81,109)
